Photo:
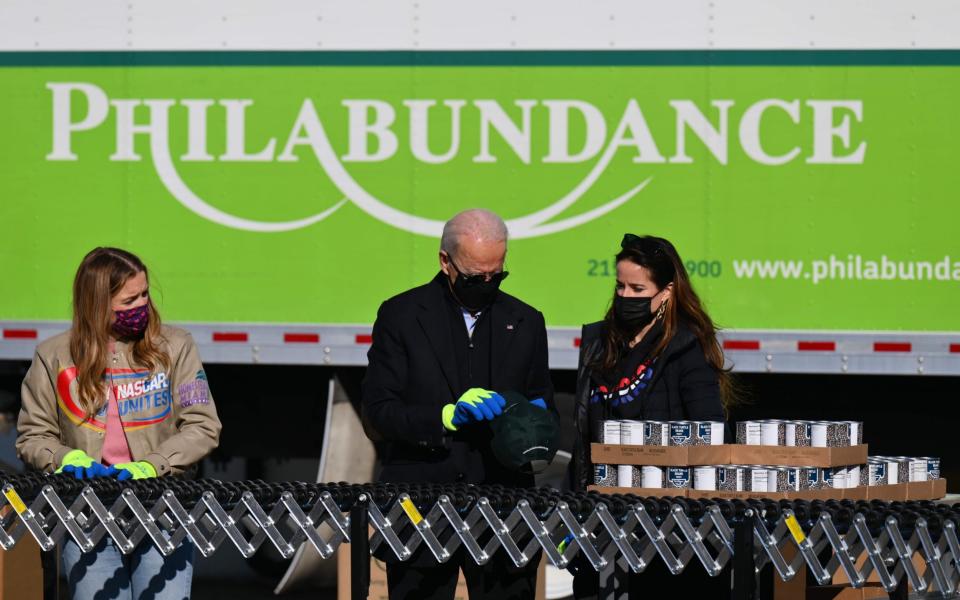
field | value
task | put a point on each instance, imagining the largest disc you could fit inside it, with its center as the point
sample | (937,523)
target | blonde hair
(101,275)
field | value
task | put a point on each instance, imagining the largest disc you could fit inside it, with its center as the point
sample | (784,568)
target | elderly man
(440,352)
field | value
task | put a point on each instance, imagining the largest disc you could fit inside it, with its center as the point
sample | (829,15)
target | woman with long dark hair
(118,395)
(654,356)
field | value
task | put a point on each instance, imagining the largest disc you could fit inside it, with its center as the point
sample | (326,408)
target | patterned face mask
(132,322)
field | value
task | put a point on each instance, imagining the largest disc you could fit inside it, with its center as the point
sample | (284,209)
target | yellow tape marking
(14,499)
(794,528)
(411,510)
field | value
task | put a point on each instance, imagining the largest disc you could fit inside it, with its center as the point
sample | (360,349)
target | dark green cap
(525,435)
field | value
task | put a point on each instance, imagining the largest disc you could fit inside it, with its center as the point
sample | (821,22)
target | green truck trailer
(279,197)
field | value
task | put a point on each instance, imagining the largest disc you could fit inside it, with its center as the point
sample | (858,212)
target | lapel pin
(509,327)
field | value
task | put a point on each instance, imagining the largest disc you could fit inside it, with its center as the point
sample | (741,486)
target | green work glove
(135,470)
(476,404)
(76,459)
(82,466)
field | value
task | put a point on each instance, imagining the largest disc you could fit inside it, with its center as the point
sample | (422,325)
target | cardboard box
(922,490)
(888,492)
(939,488)
(727,454)
(21,576)
(700,494)
(927,490)
(805,495)
(790,456)
(664,456)
(857,493)
(645,492)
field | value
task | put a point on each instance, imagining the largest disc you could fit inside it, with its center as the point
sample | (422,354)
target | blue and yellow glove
(82,466)
(135,470)
(476,404)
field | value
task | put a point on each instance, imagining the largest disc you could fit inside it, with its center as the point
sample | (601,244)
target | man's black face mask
(475,292)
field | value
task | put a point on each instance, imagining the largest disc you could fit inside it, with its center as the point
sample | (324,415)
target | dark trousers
(499,579)
(694,582)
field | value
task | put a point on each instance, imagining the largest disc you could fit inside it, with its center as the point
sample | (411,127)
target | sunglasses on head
(647,245)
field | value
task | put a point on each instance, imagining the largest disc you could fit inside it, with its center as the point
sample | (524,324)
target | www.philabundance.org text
(850,267)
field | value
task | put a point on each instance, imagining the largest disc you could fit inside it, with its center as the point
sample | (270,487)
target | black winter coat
(684,387)
(413,373)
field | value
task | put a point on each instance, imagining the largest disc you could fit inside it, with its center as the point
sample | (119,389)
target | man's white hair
(477,223)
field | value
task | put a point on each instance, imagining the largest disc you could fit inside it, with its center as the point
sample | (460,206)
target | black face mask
(475,292)
(632,314)
(475,296)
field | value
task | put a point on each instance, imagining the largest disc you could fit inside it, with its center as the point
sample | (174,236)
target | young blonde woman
(118,395)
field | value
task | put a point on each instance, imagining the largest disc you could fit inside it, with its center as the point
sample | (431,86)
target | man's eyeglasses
(477,279)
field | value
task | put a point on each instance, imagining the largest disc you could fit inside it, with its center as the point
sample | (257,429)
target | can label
(757,480)
(813,479)
(681,434)
(628,476)
(799,434)
(708,433)
(933,467)
(830,435)
(894,474)
(778,479)
(604,475)
(852,476)
(705,479)
(631,433)
(903,469)
(611,432)
(773,433)
(855,432)
(654,433)
(748,433)
(918,469)
(841,477)
(804,479)
(653,477)
(878,474)
(730,479)
(678,477)
(827,478)
(793,478)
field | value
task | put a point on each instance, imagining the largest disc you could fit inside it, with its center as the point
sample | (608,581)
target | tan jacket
(169,418)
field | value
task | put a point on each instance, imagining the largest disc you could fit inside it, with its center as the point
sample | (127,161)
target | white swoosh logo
(529,226)
(160,150)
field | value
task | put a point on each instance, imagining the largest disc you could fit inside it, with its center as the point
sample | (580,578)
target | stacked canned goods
(772,478)
(890,470)
(653,433)
(816,434)
(880,470)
